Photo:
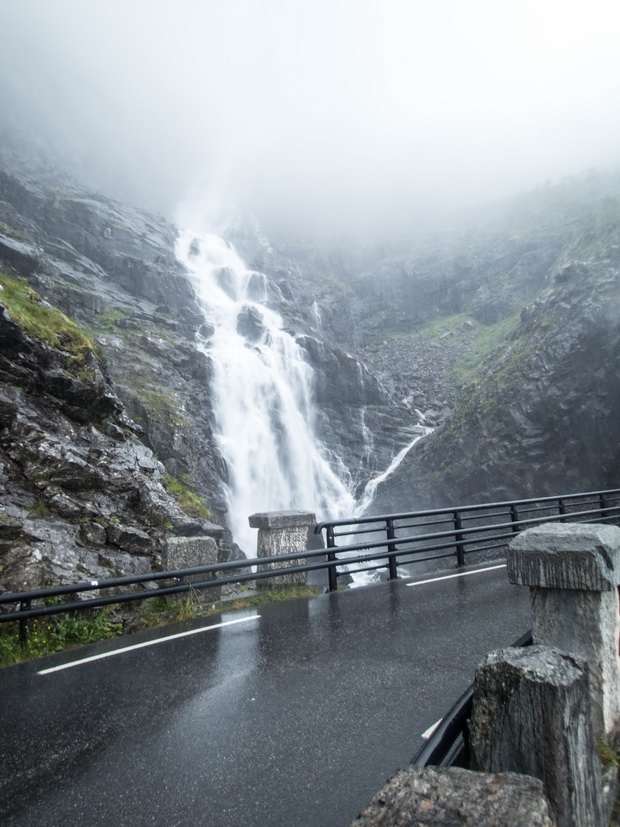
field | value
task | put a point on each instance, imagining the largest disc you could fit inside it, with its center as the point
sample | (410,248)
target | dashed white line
(451,576)
(144,644)
(428,732)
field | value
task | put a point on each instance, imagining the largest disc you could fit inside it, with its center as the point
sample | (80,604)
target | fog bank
(339,114)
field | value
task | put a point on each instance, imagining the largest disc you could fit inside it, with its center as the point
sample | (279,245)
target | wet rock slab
(432,796)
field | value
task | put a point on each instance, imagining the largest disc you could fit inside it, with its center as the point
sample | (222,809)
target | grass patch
(106,322)
(47,635)
(191,503)
(56,633)
(608,755)
(161,611)
(437,328)
(43,323)
(488,339)
(9,231)
(39,508)
(159,402)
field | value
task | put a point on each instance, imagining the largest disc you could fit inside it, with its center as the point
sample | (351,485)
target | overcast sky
(332,111)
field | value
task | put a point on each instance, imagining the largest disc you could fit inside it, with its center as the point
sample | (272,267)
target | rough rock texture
(283,532)
(357,417)
(540,415)
(573,572)
(190,552)
(453,797)
(531,715)
(82,497)
(562,556)
(112,268)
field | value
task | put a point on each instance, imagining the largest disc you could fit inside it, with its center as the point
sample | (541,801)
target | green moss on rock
(42,322)
(191,503)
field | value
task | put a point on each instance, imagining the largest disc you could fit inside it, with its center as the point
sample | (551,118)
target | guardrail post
(561,508)
(282,532)
(332,577)
(603,503)
(514,518)
(391,535)
(460,546)
(23,622)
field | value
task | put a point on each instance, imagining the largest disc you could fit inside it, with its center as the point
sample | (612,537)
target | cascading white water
(371,487)
(262,396)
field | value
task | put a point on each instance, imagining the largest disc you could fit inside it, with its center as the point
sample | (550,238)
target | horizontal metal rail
(403,539)
(613,493)
(460,531)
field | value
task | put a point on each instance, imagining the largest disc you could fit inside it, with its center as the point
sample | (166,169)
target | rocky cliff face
(82,497)
(541,415)
(113,270)
(503,331)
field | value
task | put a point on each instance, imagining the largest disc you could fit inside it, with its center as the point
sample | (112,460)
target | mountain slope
(542,415)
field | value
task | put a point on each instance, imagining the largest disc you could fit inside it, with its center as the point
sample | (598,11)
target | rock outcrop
(112,268)
(501,329)
(541,415)
(82,497)
(503,334)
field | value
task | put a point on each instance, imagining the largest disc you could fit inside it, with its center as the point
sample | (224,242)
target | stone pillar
(531,715)
(190,552)
(572,570)
(282,532)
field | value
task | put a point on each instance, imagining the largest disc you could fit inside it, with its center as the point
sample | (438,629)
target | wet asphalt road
(296,717)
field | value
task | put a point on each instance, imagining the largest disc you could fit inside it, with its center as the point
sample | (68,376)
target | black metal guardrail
(448,744)
(403,539)
(457,532)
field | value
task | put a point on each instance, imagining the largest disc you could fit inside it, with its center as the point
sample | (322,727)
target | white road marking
(428,732)
(145,643)
(451,576)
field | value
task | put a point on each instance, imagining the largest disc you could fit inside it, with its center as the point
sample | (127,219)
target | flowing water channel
(262,391)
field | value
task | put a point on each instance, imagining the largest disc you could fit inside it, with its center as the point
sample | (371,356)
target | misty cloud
(322,113)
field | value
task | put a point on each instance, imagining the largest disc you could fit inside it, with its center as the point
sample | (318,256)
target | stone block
(190,552)
(282,519)
(282,532)
(428,797)
(572,571)
(580,556)
(531,715)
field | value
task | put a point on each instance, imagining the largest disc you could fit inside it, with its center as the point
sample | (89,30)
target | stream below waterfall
(262,398)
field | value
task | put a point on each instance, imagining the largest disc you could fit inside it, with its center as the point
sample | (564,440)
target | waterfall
(316,314)
(371,486)
(262,396)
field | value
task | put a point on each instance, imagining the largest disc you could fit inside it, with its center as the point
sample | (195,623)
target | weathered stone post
(531,715)
(572,570)
(190,552)
(282,532)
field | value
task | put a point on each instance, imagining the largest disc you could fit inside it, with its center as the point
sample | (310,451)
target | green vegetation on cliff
(41,321)
(191,503)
